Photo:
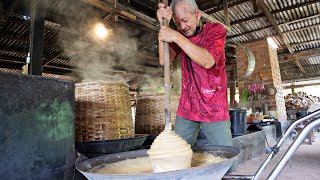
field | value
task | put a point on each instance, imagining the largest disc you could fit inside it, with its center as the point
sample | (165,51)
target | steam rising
(104,59)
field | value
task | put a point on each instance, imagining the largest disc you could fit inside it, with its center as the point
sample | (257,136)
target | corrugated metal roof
(288,65)
(302,35)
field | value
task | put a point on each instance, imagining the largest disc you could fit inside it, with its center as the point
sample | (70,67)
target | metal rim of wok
(86,166)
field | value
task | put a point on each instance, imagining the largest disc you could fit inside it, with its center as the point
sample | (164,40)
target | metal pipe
(281,140)
(292,149)
(230,176)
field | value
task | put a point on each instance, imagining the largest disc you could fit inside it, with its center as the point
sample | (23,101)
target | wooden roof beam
(16,61)
(265,10)
(226,13)
(131,16)
(146,3)
(299,55)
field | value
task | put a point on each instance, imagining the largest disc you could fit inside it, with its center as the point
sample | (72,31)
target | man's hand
(164,13)
(167,34)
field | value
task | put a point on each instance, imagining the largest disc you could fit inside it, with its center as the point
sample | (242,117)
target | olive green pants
(217,133)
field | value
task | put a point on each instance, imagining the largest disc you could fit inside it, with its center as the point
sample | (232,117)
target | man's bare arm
(198,54)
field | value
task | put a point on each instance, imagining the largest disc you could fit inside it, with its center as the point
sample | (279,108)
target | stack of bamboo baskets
(103,111)
(150,113)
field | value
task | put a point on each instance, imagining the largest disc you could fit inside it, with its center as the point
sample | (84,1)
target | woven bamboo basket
(103,111)
(150,113)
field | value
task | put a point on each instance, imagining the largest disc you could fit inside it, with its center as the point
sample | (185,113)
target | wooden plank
(265,10)
(213,19)
(299,55)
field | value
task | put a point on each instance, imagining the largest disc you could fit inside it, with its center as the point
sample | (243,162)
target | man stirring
(203,102)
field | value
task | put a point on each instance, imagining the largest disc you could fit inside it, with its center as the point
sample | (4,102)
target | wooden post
(232,85)
(226,13)
(38,8)
(115,6)
(292,88)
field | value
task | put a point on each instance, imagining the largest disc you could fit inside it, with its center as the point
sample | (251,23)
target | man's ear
(198,14)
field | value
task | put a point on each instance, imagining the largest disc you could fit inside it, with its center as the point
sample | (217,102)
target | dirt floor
(305,163)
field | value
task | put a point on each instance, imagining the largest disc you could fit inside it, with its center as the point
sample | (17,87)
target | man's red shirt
(204,91)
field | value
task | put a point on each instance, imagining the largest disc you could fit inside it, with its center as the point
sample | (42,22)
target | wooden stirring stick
(167,102)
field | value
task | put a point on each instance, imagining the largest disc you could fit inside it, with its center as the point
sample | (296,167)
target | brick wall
(266,72)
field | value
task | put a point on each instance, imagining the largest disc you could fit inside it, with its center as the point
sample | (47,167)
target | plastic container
(238,121)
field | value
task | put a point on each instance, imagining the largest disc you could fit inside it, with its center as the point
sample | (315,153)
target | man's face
(185,20)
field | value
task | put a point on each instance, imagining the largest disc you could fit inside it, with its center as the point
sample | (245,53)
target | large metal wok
(212,171)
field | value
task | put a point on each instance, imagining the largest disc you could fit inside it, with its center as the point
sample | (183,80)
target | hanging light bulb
(101,31)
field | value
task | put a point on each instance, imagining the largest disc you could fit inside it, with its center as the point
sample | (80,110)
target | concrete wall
(251,145)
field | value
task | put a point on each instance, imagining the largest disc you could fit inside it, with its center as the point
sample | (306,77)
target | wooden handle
(167,110)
